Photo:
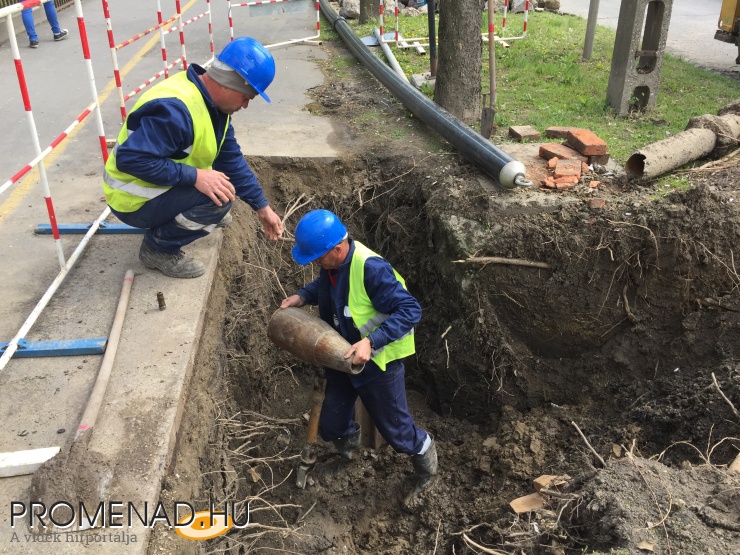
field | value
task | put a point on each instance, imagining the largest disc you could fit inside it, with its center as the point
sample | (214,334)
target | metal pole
(432,39)
(492,53)
(593,14)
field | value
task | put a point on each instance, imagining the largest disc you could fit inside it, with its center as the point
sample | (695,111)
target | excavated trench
(618,339)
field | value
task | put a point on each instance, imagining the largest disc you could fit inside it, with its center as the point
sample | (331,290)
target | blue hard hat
(252,61)
(317,233)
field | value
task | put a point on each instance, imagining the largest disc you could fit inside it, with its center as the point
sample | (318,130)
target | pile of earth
(630,337)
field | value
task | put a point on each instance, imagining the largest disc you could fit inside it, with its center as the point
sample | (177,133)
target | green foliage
(542,81)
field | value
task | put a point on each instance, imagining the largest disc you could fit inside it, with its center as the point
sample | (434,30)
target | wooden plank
(18,463)
(419,50)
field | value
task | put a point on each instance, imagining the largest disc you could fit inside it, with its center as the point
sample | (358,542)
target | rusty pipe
(310,339)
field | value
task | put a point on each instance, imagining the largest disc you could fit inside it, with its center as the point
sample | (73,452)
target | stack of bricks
(570,160)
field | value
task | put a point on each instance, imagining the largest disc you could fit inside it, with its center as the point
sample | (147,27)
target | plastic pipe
(504,169)
(389,54)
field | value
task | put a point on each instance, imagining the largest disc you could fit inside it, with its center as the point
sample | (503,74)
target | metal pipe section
(504,169)
(593,14)
(389,54)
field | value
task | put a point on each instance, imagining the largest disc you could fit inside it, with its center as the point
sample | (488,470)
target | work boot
(348,445)
(425,467)
(172,265)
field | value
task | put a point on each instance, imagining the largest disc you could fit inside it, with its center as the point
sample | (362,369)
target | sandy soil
(620,339)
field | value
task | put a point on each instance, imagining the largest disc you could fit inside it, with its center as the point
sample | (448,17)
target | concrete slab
(42,400)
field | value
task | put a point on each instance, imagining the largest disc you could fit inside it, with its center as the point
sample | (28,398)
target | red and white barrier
(161,25)
(526,17)
(66,265)
(317,7)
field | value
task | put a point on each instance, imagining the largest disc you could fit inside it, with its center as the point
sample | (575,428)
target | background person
(176,166)
(51,17)
(364,299)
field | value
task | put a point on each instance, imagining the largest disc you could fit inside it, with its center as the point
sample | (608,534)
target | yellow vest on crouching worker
(126,193)
(364,315)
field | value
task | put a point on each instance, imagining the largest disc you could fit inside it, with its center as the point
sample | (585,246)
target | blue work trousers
(51,17)
(175,218)
(385,401)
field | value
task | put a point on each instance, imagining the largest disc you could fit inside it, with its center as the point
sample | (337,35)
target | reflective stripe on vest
(364,315)
(124,192)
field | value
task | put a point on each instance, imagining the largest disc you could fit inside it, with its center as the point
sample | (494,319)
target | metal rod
(593,14)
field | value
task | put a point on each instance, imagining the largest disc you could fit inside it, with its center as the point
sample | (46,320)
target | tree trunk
(458,86)
(368,10)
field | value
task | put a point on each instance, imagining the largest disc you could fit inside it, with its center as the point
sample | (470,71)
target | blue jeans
(385,401)
(175,218)
(51,17)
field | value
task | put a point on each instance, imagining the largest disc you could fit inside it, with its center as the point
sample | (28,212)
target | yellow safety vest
(364,315)
(126,193)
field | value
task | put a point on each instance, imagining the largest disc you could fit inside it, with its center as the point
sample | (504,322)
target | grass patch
(541,81)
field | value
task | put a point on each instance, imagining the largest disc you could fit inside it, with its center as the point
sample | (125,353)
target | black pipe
(504,169)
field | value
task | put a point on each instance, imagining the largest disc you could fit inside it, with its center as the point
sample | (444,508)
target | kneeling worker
(176,167)
(364,299)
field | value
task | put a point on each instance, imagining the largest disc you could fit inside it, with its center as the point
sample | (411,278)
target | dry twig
(583,437)
(471,543)
(501,260)
(734,410)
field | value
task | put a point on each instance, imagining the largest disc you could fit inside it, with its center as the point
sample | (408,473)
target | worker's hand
(215,185)
(362,351)
(271,223)
(293,300)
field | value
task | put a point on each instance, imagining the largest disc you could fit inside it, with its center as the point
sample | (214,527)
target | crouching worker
(176,167)
(364,299)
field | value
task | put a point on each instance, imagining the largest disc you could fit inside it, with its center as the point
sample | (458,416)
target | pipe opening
(635,166)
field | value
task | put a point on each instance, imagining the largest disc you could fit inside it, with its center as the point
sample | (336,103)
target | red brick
(585,168)
(594,184)
(552,162)
(524,133)
(549,183)
(567,180)
(586,142)
(568,168)
(596,203)
(550,150)
(556,132)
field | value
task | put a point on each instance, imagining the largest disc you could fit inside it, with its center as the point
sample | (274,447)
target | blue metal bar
(80,229)
(28,349)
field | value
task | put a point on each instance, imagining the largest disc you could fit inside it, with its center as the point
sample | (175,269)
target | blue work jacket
(387,295)
(161,129)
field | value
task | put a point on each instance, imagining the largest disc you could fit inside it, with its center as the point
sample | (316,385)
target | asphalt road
(690,33)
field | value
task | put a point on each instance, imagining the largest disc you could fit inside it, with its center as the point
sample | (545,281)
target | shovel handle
(317,398)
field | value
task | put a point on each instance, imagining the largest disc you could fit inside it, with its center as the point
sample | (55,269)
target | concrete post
(637,61)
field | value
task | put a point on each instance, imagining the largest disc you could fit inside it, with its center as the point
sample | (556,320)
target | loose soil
(620,339)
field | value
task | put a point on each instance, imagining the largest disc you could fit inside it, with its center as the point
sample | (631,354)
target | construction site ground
(620,338)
